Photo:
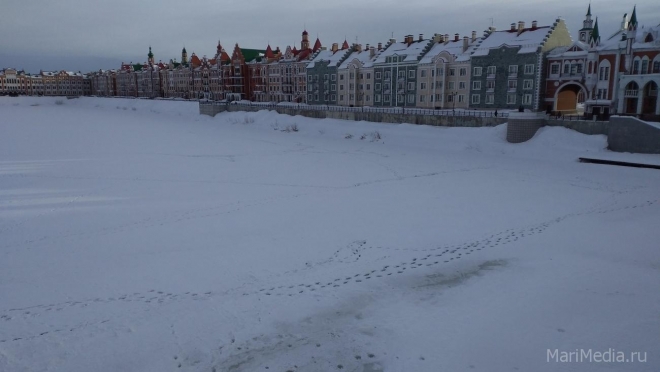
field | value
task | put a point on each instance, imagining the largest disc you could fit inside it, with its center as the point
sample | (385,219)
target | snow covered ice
(137,235)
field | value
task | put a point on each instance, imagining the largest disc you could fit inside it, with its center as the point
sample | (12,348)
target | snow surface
(137,235)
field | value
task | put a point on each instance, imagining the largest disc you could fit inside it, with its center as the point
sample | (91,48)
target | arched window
(635,66)
(655,67)
(645,65)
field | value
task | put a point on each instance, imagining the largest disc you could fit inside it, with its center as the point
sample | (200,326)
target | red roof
(345,45)
(317,45)
(195,61)
(269,52)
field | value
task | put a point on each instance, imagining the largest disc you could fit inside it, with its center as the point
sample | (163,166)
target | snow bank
(158,239)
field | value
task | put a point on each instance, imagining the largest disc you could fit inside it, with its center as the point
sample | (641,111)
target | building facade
(508,67)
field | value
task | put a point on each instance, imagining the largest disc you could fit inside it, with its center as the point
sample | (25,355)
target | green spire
(633,17)
(589,10)
(150,55)
(594,34)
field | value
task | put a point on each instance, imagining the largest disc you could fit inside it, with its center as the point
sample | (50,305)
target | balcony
(490,90)
(631,93)
(513,75)
(490,76)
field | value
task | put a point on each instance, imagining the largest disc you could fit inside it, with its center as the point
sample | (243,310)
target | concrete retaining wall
(582,126)
(523,126)
(629,134)
(377,117)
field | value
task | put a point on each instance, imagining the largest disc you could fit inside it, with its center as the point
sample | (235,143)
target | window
(334,97)
(341,97)
(567,68)
(440,71)
(368,76)
(462,71)
(361,76)
(422,74)
(450,98)
(351,97)
(351,75)
(411,75)
(477,71)
(309,97)
(411,86)
(476,85)
(377,86)
(378,77)
(527,99)
(450,85)
(386,98)
(411,98)
(635,69)
(421,98)
(578,68)
(656,67)
(491,70)
(529,69)
(351,86)
(604,73)
(367,98)
(490,84)
(513,69)
(554,69)
(645,66)
(528,84)
(602,94)
(402,74)
(475,99)
(361,86)
(461,85)
(377,98)
(452,72)
(422,86)
(316,97)
(461,98)
(490,99)
(325,77)
(341,77)
(511,99)
(512,85)
(333,87)
(333,77)
(310,87)
(387,74)
(341,86)
(368,86)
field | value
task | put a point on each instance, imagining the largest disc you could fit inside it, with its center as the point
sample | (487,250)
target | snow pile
(157,239)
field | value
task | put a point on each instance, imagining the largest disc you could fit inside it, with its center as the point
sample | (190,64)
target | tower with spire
(594,36)
(184,56)
(304,44)
(150,56)
(587,27)
(631,35)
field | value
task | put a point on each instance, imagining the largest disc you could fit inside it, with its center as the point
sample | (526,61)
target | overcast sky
(87,35)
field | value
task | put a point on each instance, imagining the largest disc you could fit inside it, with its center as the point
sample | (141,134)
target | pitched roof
(595,35)
(412,51)
(452,47)
(333,59)
(529,40)
(363,57)
(252,54)
(317,45)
